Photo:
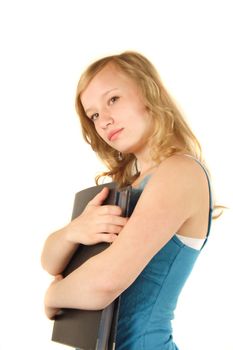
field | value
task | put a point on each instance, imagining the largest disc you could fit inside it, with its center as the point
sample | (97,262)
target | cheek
(147,124)
(141,110)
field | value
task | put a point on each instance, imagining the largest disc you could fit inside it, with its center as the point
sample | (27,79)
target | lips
(114,134)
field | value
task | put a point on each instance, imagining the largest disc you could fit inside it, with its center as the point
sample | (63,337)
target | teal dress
(147,306)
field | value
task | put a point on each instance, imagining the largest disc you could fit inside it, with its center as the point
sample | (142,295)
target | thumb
(100,197)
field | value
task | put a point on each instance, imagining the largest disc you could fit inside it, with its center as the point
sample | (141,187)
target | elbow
(110,290)
(109,282)
(48,267)
(103,298)
(98,293)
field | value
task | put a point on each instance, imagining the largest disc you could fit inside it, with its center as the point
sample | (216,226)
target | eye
(94,116)
(113,99)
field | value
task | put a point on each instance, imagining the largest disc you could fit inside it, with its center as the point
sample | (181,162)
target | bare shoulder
(178,189)
(182,164)
(182,170)
(179,181)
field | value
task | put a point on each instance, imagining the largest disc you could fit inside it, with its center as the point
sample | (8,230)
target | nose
(105,119)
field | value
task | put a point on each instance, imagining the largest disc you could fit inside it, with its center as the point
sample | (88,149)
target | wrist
(69,235)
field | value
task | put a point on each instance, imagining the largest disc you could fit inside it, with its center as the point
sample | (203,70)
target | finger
(108,238)
(110,210)
(100,197)
(114,220)
(108,228)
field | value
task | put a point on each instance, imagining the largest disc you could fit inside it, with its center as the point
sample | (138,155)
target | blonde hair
(168,122)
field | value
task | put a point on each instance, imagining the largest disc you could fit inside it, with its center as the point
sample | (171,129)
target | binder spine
(105,327)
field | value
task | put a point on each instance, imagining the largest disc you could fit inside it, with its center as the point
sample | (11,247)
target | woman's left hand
(50,311)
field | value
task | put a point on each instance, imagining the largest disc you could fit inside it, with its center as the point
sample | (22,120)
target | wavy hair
(168,121)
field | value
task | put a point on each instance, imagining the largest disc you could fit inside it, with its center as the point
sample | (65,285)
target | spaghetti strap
(210,197)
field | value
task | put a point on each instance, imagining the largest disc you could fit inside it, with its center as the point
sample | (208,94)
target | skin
(175,200)
(113,102)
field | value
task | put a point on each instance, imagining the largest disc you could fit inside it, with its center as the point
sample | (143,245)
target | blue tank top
(147,306)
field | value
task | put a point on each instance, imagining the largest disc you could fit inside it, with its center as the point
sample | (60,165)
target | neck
(144,170)
(145,165)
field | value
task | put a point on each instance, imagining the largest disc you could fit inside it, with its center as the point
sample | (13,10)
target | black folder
(86,329)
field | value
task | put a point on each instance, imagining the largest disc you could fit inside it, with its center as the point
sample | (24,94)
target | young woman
(131,122)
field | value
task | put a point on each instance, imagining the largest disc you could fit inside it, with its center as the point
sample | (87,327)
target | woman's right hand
(97,223)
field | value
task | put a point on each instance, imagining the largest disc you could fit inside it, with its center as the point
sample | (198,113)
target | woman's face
(115,105)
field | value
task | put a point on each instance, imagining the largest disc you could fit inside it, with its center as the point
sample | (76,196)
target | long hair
(168,122)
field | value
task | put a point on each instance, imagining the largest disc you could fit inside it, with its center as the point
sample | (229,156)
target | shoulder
(178,182)
(182,162)
(180,169)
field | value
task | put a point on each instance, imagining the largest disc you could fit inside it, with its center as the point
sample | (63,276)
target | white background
(44,46)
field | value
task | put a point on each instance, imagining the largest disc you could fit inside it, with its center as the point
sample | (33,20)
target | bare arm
(171,197)
(57,251)
(96,224)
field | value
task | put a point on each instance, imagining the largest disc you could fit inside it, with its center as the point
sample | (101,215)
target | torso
(148,305)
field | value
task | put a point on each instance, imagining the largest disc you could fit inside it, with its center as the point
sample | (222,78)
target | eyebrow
(103,95)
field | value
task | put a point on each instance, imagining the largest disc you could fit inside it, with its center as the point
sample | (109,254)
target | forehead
(109,78)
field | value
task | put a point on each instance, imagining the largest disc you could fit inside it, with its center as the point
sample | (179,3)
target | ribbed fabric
(147,306)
